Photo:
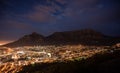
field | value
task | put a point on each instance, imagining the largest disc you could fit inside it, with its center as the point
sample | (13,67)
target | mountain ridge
(84,36)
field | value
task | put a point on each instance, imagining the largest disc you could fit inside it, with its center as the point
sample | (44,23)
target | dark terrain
(99,63)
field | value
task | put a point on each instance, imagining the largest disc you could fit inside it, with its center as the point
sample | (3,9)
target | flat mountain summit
(84,36)
(76,35)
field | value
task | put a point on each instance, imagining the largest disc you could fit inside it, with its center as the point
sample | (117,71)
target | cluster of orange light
(4,42)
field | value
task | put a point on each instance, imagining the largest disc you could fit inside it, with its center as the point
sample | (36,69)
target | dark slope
(28,40)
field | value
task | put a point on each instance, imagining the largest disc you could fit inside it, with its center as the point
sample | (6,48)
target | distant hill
(28,40)
(84,36)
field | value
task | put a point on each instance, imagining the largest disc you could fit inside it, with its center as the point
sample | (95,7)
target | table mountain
(84,36)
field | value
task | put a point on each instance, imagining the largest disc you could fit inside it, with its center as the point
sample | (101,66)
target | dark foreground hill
(99,63)
(85,37)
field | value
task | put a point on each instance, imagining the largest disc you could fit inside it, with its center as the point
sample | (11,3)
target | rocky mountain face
(85,37)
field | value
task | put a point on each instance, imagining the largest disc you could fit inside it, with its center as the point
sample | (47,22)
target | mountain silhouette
(28,40)
(84,36)
(76,36)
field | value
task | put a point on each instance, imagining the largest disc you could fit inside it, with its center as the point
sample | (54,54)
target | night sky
(20,17)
